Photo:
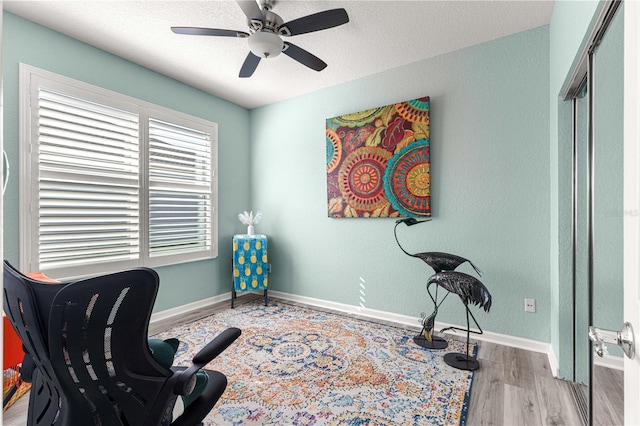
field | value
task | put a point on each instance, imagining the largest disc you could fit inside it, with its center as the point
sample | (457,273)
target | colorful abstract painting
(378,162)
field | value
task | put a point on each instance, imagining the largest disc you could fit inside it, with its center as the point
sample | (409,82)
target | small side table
(250,265)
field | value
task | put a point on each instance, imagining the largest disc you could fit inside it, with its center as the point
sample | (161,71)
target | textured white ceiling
(381,35)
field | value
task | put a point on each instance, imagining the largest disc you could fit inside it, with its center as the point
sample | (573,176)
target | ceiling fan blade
(249,66)
(315,22)
(209,32)
(304,57)
(251,9)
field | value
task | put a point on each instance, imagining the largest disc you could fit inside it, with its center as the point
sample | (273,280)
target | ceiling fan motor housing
(270,21)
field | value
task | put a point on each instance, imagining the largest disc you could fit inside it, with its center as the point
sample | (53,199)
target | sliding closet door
(608,212)
(582,346)
(595,90)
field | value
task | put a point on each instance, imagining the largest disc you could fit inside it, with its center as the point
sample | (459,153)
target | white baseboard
(553,362)
(194,306)
(609,361)
(405,320)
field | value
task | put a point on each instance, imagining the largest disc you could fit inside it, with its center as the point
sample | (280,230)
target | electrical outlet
(529,305)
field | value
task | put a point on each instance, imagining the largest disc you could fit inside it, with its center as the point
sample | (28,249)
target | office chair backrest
(88,340)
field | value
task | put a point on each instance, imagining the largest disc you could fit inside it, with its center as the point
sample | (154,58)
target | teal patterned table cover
(250,262)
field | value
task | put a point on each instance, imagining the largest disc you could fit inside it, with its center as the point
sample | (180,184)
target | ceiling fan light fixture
(265,44)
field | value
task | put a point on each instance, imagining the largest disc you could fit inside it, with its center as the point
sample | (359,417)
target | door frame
(632,205)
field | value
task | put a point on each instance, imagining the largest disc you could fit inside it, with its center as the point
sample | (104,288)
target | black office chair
(92,364)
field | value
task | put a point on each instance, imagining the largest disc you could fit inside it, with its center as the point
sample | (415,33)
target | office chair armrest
(216,346)
(187,378)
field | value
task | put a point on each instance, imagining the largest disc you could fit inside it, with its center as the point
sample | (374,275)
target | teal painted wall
(490,187)
(26,42)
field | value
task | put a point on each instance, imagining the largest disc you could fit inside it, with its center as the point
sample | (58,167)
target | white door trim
(632,204)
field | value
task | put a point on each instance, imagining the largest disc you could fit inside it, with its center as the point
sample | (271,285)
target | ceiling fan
(266,29)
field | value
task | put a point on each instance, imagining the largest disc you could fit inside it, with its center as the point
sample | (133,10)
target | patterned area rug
(300,366)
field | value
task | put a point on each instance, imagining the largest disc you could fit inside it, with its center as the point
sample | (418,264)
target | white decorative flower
(249,218)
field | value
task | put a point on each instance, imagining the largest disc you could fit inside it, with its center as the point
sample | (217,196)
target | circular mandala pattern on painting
(416,110)
(334,150)
(361,178)
(407,181)
(359,119)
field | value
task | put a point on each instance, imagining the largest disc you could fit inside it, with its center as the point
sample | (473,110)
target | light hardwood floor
(515,387)
(512,387)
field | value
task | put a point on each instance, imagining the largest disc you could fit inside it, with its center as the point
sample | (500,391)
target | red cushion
(12,346)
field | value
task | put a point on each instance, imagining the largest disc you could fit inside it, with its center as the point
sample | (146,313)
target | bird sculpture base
(461,361)
(435,343)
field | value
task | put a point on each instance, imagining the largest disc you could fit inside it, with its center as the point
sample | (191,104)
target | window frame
(30,80)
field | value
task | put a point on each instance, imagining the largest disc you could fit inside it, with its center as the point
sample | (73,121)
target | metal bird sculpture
(471,291)
(440,262)
(468,287)
(437,260)
(428,323)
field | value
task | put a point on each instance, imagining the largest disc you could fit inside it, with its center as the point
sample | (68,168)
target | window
(111,182)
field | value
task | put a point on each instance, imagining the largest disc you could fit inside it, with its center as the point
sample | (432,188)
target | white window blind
(88,182)
(110,182)
(180,176)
